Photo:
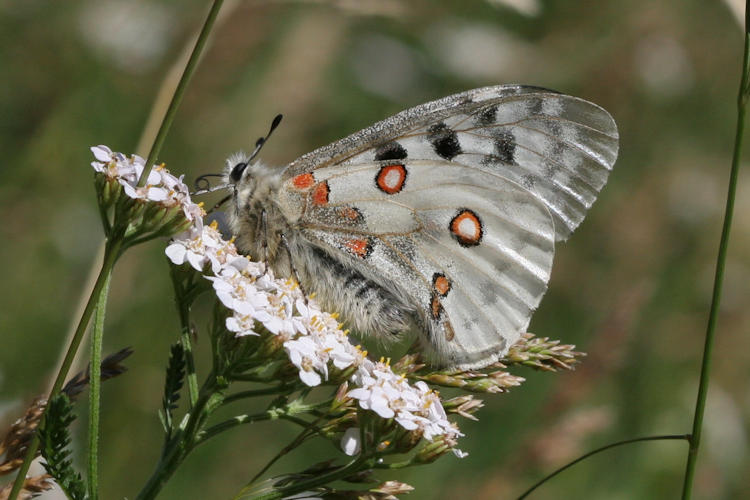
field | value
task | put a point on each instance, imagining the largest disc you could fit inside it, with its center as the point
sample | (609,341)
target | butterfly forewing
(559,147)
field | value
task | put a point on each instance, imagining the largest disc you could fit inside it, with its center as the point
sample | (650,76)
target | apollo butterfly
(443,217)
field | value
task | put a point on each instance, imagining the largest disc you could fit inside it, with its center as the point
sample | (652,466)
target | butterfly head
(254,187)
(234,175)
(251,182)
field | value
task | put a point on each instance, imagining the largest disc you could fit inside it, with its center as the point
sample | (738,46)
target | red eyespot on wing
(303,181)
(361,248)
(391,178)
(466,227)
(320,193)
(441,284)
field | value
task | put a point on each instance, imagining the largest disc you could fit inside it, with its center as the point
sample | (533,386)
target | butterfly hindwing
(471,249)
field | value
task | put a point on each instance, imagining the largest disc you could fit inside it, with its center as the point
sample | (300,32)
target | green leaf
(54,439)
(172,385)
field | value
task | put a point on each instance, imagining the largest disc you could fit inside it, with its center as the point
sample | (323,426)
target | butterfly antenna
(260,142)
(202,185)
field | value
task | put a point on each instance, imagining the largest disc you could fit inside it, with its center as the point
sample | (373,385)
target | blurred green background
(631,288)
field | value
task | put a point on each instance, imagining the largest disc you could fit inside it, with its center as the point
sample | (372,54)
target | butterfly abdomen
(365,305)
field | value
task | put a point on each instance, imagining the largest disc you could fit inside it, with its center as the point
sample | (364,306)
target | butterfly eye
(236,173)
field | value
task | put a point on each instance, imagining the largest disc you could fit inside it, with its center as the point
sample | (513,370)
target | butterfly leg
(295,274)
(220,203)
(263,231)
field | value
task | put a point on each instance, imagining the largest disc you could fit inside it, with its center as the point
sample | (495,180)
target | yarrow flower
(169,194)
(200,248)
(391,396)
(312,339)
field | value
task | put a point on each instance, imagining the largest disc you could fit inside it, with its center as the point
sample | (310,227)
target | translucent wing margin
(560,148)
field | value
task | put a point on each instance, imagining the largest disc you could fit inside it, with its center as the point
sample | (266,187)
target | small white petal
(359,393)
(130,190)
(157,194)
(407,421)
(102,153)
(176,253)
(310,378)
(196,260)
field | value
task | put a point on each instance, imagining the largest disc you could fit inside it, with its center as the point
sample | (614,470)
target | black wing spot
(487,116)
(444,141)
(528,181)
(535,106)
(556,128)
(390,151)
(505,147)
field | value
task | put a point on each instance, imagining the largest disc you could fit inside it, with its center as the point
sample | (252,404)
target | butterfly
(443,216)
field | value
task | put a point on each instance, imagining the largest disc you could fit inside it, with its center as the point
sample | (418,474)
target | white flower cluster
(391,396)
(312,338)
(161,186)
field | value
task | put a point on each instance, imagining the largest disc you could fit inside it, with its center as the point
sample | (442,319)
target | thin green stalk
(180,90)
(598,450)
(252,393)
(183,309)
(184,440)
(700,402)
(114,247)
(229,424)
(168,463)
(309,430)
(110,257)
(176,449)
(295,443)
(192,377)
(95,383)
(340,473)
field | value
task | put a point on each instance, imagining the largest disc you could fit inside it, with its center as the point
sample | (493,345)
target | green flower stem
(253,393)
(183,298)
(250,376)
(131,242)
(111,253)
(598,450)
(231,423)
(700,403)
(180,90)
(192,377)
(95,383)
(359,463)
(114,246)
(301,437)
(183,441)
(283,413)
(174,454)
